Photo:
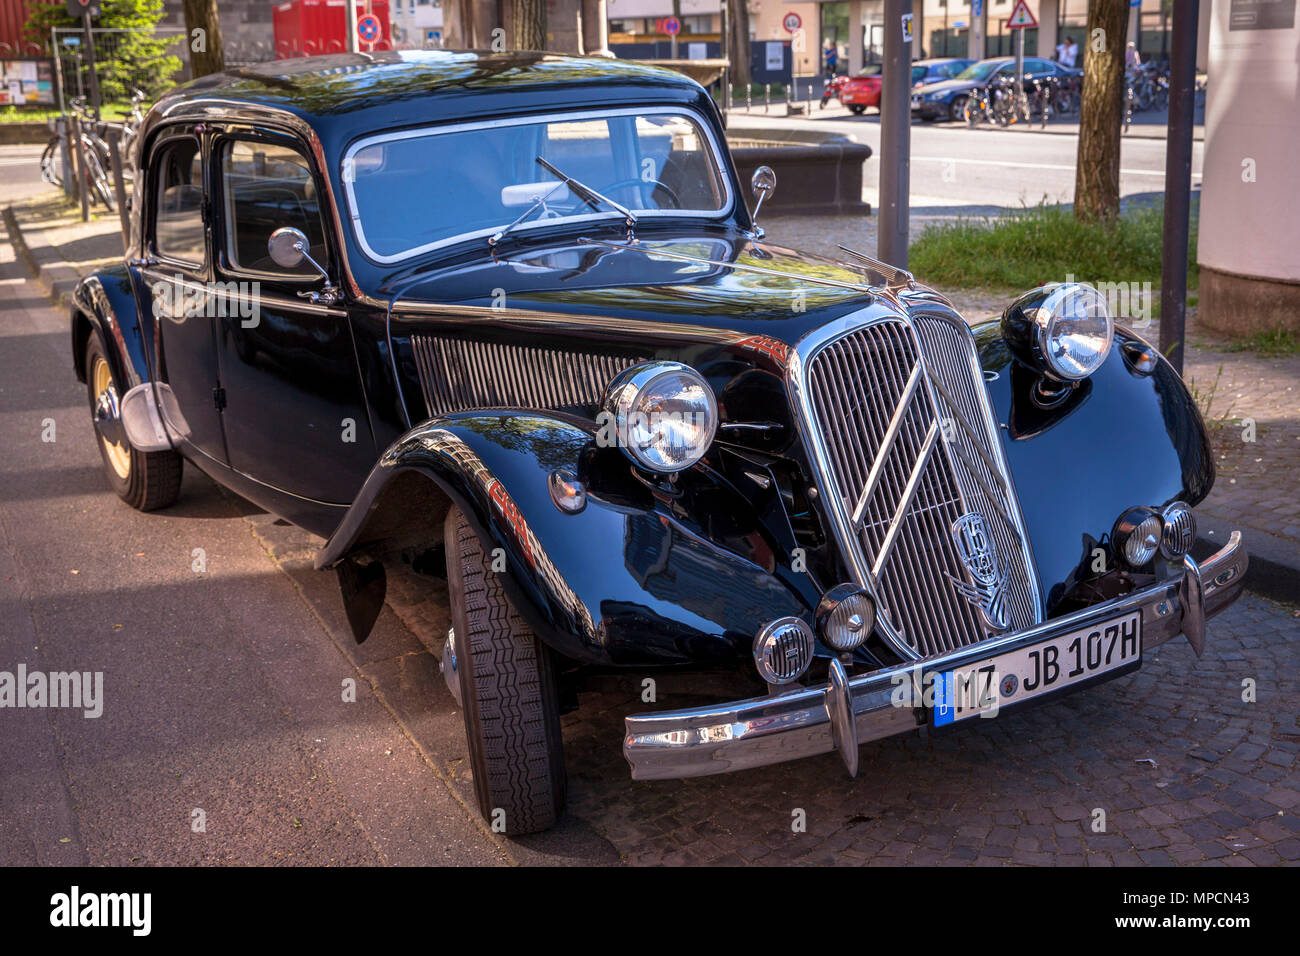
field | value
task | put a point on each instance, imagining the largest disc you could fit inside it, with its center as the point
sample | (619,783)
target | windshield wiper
(590,196)
(540,200)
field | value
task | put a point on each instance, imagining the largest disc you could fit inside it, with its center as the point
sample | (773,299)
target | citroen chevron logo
(986,586)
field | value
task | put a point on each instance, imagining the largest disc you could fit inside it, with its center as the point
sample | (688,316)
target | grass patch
(1272,342)
(29,114)
(1023,249)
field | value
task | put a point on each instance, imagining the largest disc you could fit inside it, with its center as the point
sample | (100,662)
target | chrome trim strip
(720,161)
(905,503)
(886,445)
(738,735)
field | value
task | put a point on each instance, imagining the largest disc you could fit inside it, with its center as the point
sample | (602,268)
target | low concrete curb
(56,275)
(1274,570)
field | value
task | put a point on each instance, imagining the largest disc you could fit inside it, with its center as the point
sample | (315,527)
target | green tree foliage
(135,57)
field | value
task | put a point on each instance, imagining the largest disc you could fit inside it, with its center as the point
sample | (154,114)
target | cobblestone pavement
(1181,769)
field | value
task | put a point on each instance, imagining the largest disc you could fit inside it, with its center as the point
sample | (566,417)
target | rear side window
(178,219)
(266,187)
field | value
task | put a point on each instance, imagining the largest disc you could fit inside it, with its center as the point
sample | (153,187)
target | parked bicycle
(95,149)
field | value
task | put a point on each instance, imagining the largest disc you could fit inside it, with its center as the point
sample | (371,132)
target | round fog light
(1179,531)
(1137,536)
(783,650)
(845,617)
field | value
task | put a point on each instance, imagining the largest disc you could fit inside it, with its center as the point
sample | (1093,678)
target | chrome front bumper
(844,713)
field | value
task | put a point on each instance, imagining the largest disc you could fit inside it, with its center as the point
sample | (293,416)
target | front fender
(614,584)
(106,303)
(1123,437)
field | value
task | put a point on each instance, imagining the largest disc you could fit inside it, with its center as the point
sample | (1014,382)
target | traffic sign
(1021,18)
(792,22)
(672,26)
(368,28)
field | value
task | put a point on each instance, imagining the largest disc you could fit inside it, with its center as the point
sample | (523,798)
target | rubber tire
(153,479)
(508,691)
(857,108)
(957,108)
(50,158)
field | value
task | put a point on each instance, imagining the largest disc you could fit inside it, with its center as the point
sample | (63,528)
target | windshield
(980,71)
(416,190)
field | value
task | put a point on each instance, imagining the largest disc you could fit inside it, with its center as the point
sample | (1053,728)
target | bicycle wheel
(52,163)
(101,187)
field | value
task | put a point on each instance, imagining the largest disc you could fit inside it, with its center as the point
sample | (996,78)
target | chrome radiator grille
(460,375)
(902,466)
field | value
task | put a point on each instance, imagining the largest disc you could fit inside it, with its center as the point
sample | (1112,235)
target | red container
(312,27)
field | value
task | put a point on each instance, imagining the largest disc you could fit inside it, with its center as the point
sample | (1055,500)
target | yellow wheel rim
(119,456)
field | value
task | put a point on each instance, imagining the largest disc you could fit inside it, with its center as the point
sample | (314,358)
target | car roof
(412,86)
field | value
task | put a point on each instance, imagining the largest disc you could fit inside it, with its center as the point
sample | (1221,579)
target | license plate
(1016,676)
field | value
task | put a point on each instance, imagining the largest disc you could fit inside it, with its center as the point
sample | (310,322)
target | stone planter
(817,173)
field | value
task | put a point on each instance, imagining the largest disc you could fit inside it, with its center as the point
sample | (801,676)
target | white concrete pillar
(1250,208)
(855,37)
(1203,37)
(1048,11)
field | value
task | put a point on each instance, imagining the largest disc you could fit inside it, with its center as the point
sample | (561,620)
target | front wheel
(144,480)
(957,109)
(858,109)
(508,691)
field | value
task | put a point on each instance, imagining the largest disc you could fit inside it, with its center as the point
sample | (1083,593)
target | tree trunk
(1096,180)
(529,27)
(204,37)
(738,16)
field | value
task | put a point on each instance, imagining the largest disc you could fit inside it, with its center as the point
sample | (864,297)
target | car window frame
(721,159)
(163,140)
(222,234)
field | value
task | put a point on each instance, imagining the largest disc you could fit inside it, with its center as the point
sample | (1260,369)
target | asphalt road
(989,168)
(20,172)
(222,690)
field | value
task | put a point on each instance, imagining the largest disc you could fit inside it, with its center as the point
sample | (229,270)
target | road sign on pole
(368,29)
(792,22)
(1021,18)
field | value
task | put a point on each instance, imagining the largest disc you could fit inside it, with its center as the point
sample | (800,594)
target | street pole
(725,52)
(353,46)
(90,63)
(1020,59)
(895,137)
(1178,183)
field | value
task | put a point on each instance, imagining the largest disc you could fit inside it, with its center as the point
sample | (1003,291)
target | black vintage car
(510,315)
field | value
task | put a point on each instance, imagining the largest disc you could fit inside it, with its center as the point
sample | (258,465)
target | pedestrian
(1132,59)
(1072,54)
(832,58)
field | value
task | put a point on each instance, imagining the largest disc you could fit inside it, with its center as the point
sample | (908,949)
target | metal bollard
(119,186)
(749,98)
(767,97)
(810,86)
(61,126)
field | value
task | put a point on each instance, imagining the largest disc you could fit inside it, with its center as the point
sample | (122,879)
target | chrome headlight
(1136,536)
(1065,330)
(662,414)
(845,617)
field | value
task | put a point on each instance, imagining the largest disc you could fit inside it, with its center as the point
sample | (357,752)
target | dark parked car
(946,99)
(511,316)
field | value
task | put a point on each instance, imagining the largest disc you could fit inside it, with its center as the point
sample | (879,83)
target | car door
(294,409)
(176,270)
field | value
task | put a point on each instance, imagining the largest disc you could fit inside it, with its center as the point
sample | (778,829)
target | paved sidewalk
(1257,489)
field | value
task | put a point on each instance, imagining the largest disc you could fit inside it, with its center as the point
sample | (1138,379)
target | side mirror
(289,248)
(763,182)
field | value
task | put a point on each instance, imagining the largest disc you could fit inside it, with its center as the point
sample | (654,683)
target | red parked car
(856,92)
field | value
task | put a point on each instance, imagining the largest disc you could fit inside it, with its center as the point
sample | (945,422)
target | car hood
(707,283)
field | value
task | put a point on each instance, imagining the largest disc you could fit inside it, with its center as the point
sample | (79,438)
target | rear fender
(615,584)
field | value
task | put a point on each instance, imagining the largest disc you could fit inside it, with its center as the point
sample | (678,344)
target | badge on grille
(986,586)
